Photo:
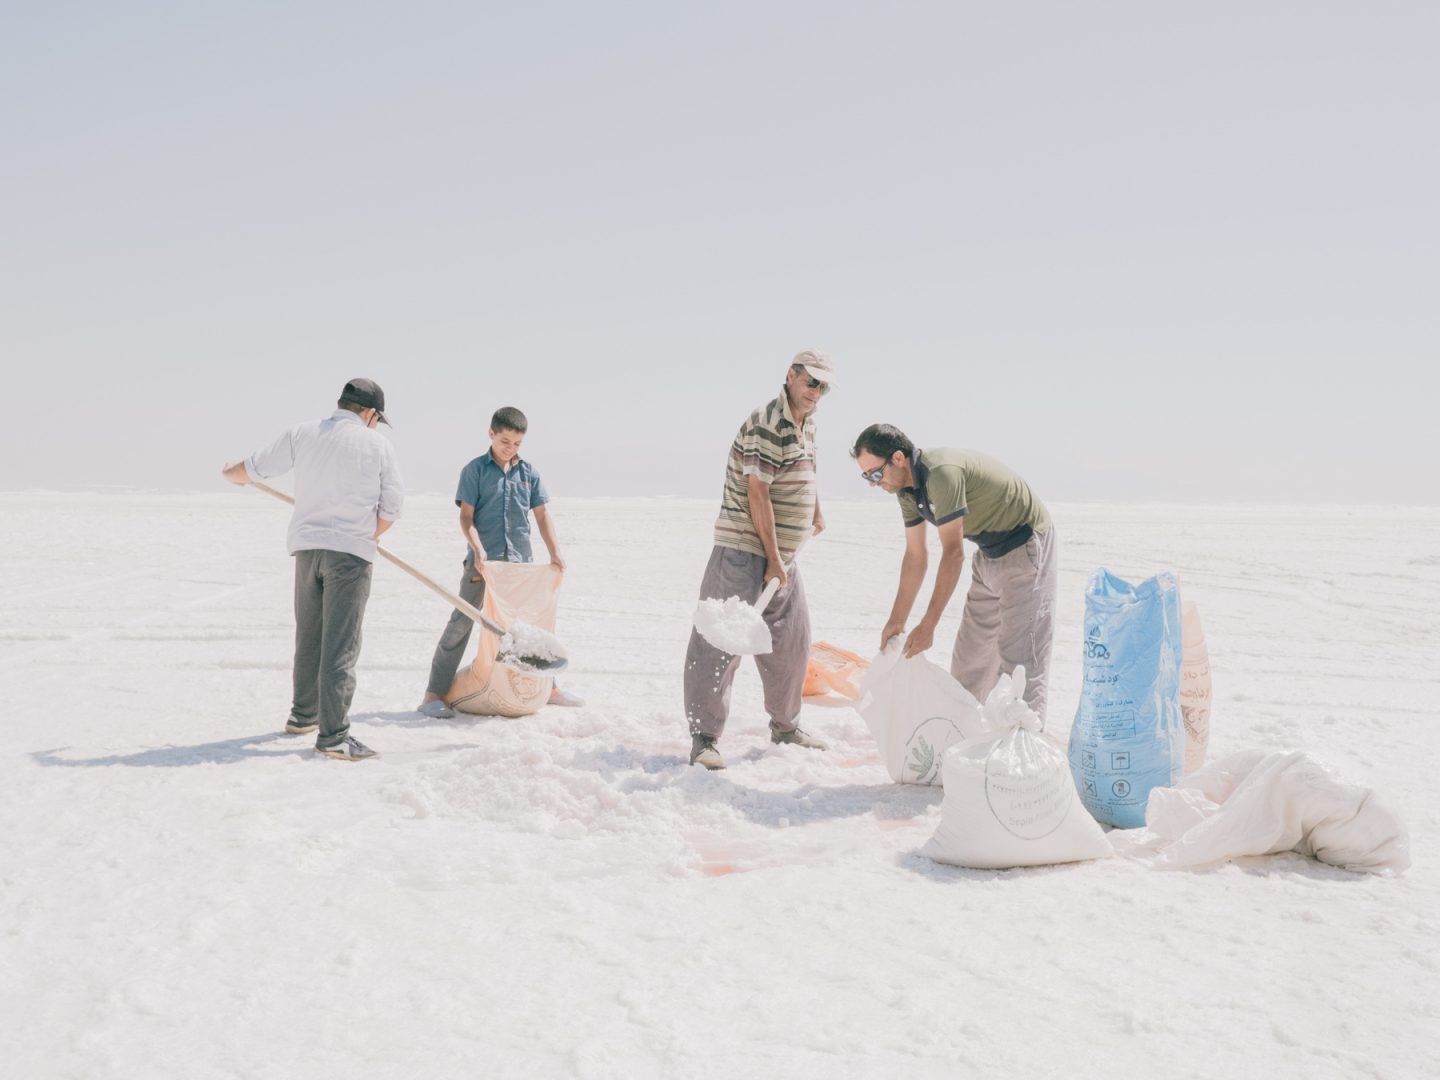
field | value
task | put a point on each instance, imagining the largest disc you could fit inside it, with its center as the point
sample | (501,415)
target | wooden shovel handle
(773,585)
(462,606)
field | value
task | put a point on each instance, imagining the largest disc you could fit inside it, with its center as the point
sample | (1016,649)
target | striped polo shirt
(781,453)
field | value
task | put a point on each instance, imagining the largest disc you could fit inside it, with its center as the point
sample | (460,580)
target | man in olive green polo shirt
(1009,611)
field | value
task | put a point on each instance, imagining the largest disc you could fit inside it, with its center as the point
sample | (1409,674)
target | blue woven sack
(1129,735)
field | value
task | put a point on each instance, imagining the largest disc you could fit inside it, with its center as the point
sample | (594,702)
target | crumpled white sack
(915,710)
(1262,802)
(1010,799)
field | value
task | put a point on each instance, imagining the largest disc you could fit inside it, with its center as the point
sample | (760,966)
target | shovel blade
(532,665)
(733,627)
(531,649)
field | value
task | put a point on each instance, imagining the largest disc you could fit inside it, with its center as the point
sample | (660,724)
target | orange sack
(832,669)
(528,591)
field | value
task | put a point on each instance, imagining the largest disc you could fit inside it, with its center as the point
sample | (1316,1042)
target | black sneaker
(796,737)
(703,752)
(350,749)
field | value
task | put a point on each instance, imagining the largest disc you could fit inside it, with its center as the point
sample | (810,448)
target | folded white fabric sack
(1263,802)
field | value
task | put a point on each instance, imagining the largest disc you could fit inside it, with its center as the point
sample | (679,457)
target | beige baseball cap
(818,364)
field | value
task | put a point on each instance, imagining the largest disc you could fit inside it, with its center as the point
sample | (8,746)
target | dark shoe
(296,726)
(796,737)
(703,752)
(436,710)
(350,749)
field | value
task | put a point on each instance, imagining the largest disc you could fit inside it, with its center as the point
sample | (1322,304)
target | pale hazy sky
(1137,250)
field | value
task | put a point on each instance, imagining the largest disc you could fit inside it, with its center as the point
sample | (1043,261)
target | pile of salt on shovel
(738,628)
(733,627)
(531,649)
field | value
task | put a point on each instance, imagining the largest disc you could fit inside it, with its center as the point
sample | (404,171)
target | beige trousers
(1009,620)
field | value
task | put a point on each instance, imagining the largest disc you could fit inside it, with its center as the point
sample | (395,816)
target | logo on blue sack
(1094,648)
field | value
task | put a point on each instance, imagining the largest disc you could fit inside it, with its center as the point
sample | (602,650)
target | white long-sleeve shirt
(346,476)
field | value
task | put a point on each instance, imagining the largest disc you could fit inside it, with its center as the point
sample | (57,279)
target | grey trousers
(1009,620)
(451,649)
(710,673)
(331,591)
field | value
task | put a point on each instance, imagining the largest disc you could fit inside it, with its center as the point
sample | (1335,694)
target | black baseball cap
(366,393)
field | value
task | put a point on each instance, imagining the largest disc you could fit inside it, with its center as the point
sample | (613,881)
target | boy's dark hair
(509,419)
(882,440)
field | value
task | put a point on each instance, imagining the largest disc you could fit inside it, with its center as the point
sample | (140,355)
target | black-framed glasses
(874,476)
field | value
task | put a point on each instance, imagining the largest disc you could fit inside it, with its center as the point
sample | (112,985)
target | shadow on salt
(225,752)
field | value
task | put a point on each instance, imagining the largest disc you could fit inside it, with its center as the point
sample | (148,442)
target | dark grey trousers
(331,590)
(456,635)
(710,673)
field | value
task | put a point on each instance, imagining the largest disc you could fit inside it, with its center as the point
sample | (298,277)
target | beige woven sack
(529,591)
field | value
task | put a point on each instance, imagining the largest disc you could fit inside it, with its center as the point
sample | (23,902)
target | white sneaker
(436,710)
(565,698)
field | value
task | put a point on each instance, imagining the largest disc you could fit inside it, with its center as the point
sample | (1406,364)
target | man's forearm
(762,517)
(912,574)
(381,524)
(547,533)
(947,576)
(472,537)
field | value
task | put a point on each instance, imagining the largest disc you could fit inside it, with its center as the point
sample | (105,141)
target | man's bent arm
(912,575)
(762,517)
(546,524)
(467,530)
(235,473)
(947,576)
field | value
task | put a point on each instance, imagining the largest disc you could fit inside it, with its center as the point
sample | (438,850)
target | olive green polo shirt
(1000,510)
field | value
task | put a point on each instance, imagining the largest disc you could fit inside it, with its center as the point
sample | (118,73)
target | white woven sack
(916,711)
(1010,800)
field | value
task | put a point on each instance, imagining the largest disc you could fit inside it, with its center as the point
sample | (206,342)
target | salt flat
(186,892)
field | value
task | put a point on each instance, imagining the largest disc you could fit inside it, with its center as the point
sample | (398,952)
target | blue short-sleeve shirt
(503,501)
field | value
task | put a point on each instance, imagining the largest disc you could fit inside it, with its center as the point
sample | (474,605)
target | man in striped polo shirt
(769,506)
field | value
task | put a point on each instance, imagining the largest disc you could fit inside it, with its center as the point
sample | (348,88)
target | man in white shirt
(348,491)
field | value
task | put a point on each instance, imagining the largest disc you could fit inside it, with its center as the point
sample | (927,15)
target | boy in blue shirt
(497,494)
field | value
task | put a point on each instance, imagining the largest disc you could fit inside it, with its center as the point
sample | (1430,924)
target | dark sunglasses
(874,476)
(813,382)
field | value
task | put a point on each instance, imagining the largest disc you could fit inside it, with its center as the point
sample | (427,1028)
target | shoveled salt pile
(531,647)
(732,626)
